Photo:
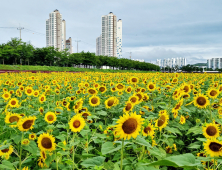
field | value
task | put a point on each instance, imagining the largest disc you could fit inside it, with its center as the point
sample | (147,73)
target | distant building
(173,62)
(214,63)
(63,34)
(109,43)
(55,30)
(138,60)
(69,45)
(98,45)
(119,39)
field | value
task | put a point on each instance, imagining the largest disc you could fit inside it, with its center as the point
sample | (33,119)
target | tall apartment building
(106,44)
(55,30)
(63,34)
(214,63)
(119,39)
(69,45)
(180,62)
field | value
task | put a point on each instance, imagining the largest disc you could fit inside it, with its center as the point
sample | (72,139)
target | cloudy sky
(152,29)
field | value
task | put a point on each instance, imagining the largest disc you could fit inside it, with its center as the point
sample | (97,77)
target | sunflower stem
(121,164)
(73,152)
(20,156)
(57,167)
(214,163)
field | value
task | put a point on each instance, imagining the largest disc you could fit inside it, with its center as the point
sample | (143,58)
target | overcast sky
(152,29)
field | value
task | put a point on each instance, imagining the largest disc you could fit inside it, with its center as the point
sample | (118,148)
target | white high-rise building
(173,62)
(214,63)
(55,30)
(98,45)
(108,43)
(63,34)
(119,39)
(69,45)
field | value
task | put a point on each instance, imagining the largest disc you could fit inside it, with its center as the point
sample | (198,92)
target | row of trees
(18,52)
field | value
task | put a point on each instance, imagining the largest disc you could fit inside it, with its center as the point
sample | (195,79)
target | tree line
(18,52)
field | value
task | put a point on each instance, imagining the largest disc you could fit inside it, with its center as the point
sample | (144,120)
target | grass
(55,68)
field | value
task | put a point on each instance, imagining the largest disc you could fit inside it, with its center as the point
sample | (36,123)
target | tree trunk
(3,61)
(28,61)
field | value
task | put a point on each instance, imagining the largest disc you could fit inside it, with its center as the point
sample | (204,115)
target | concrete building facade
(54,33)
(69,45)
(98,45)
(173,62)
(63,34)
(119,39)
(214,63)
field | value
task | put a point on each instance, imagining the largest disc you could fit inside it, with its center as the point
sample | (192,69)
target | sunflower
(213,93)
(134,99)
(46,142)
(42,98)
(129,126)
(77,123)
(151,86)
(32,136)
(43,155)
(36,93)
(134,80)
(12,117)
(94,101)
(50,117)
(149,130)
(168,149)
(213,147)
(92,91)
(182,119)
(29,91)
(102,89)
(58,110)
(145,97)
(128,89)
(186,88)
(26,123)
(41,110)
(25,142)
(111,101)
(6,95)
(120,87)
(201,101)
(162,121)
(85,115)
(177,106)
(211,131)
(140,96)
(220,112)
(215,105)
(13,102)
(78,105)
(128,107)
(6,152)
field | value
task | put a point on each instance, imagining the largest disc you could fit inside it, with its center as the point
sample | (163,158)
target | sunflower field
(110,121)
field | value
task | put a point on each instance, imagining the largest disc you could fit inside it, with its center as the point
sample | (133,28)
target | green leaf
(84,132)
(103,136)
(91,162)
(108,147)
(103,113)
(32,147)
(195,130)
(4,147)
(158,153)
(173,130)
(195,145)
(141,141)
(6,165)
(184,161)
(17,138)
(109,165)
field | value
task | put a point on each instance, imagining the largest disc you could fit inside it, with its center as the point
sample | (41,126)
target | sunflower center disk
(27,124)
(102,89)
(211,131)
(85,115)
(151,86)
(5,150)
(147,129)
(13,102)
(129,126)
(50,117)
(213,93)
(110,102)
(215,146)
(128,106)
(46,143)
(76,123)
(201,101)
(94,100)
(13,119)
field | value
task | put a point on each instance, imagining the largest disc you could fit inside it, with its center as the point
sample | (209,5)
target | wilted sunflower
(213,93)
(162,121)
(213,147)
(94,101)
(6,152)
(13,102)
(92,91)
(26,123)
(211,131)
(201,101)
(50,117)
(77,123)
(12,117)
(46,142)
(111,101)
(151,86)
(32,136)
(129,125)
